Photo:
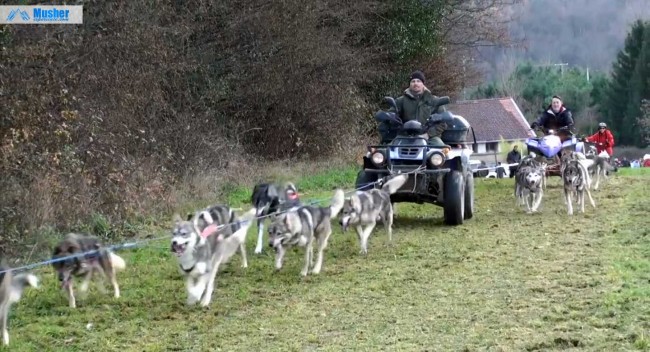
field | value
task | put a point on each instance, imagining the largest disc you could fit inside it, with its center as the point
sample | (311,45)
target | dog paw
(258,251)
(244,265)
(303,273)
(191,301)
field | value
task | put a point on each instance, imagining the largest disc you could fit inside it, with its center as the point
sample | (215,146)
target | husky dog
(11,288)
(531,161)
(600,168)
(529,187)
(301,227)
(84,255)
(269,198)
(366,208)
(204,242)
(567,154)
(576,179)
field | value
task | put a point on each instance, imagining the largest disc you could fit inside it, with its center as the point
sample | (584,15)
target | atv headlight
(378,158)
(436,159)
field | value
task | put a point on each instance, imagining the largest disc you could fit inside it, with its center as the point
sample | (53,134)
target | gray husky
(301,226)
(529,186)
(531,161)
(84,255)
(204,242)
(11,288)
(364,209)
(599,169)
(269,199)
(576,180)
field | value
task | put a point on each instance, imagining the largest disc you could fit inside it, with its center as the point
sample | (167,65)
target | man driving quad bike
(556,118)
(417,103)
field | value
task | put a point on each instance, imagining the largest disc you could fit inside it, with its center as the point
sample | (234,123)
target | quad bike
(547,148)
(439,174)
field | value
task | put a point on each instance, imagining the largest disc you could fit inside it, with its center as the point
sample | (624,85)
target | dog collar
(188,270)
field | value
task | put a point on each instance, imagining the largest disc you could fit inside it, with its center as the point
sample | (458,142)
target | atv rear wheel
(365,181)
(469,196)
(454,197)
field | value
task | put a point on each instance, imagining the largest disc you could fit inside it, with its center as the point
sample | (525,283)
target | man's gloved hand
(437,129)
(534,125)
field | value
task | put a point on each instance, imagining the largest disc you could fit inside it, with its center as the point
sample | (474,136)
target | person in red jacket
(603,138)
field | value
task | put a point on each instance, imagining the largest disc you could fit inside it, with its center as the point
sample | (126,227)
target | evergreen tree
(640,86)
(621,102)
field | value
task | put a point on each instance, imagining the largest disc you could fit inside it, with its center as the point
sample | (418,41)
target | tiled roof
(493,119)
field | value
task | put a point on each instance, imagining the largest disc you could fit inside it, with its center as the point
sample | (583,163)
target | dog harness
(211,229)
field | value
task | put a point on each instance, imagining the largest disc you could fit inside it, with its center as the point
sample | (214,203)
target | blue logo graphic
(23,14)
(51,15)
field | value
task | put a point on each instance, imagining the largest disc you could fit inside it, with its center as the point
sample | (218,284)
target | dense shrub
(117,117)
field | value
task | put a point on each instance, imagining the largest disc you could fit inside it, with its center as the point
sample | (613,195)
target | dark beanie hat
(417,74)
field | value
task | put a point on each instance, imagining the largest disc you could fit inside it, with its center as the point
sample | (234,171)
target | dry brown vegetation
(121,115)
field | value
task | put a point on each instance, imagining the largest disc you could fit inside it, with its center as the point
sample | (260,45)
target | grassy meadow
(503,281)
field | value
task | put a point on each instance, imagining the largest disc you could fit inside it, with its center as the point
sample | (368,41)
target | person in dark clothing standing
(500,170)
(514,157)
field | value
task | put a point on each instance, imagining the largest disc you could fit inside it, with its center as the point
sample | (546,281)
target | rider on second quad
(557,118)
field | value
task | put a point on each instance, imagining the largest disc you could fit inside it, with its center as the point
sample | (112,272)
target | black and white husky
(11,288)
(204,242)
(269,199)
(363,209)
(302,227)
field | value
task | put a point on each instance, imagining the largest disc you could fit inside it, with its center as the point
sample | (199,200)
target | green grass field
(504,281)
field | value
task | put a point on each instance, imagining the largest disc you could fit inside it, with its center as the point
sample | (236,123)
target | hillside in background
(583,33)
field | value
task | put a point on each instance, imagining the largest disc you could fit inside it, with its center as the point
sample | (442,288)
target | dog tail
(117,262)
(248,216)
(337,203)
(25,279)
(19,283)
(3,274)
(391,186)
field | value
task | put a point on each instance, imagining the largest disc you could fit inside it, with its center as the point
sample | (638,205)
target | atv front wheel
(469,196)
(454,197)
